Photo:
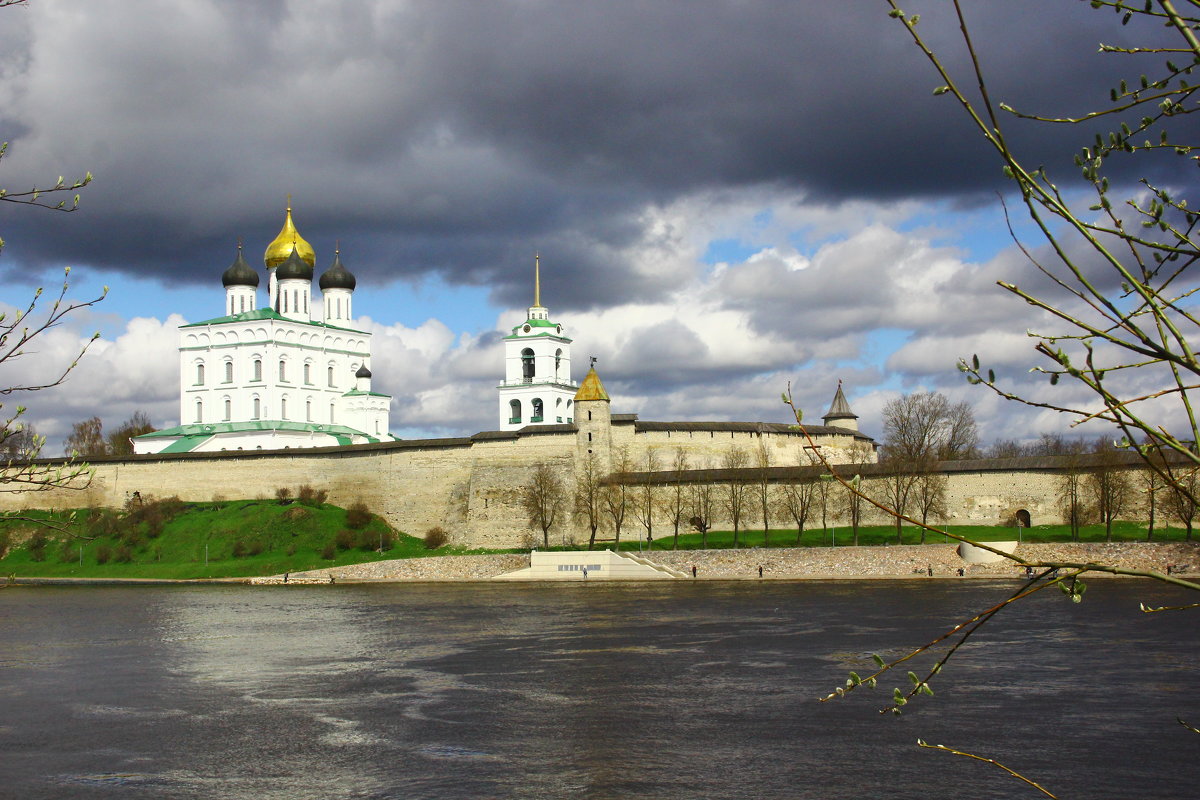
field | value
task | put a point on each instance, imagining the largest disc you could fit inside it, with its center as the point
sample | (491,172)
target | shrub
(345,539)
(291,549)
(5,540)
(239,548)
(309,496)
(37,546)
(123,555)
(255,547)
(67,553)
(102,522)
(358,515)
(103,554)
(436,537)
(330,552)
(283,495)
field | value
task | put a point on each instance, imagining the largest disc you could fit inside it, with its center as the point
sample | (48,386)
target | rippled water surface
(624,691)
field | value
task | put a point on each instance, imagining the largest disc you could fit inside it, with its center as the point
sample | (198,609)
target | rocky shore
(814,563)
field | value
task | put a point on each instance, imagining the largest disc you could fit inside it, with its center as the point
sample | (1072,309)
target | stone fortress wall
(472,486)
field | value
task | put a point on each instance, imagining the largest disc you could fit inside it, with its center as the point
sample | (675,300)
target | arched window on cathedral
(285,302)
(228,409)
(558,410)
(243,309)
(199,411)
(331,416)
(282,370)
(199,374)
(527,364)
(308,373)
(229,372)
(514,411)
(330,374)
(557,363)
(537,410)
(257,408)
(258,369)
(283,408)
(308,410)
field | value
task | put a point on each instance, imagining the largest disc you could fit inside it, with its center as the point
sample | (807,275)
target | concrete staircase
(590,565)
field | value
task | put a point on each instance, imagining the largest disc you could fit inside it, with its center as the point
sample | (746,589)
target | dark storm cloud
(456,137)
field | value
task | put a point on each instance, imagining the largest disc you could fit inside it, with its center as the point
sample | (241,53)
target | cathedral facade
(293,373)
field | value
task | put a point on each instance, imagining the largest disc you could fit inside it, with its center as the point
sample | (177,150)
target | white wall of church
(267,369)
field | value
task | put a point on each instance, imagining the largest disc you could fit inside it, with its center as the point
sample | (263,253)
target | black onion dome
(240,273)
(337,276)
(363,372)
(295,268)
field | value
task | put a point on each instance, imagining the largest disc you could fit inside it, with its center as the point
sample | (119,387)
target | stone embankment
(781,563)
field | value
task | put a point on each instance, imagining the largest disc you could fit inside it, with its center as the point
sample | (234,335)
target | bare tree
(763,492)
(646,501)
(119,441)
(929,495)
(20,443)
(675,502)
(702,501)
(542,499)
(1108,486)
(896,487)
(823,496)
(87,439)
(588,498)
(1181,498)
(734,488)
(925,425)
(796,500)
(615,496)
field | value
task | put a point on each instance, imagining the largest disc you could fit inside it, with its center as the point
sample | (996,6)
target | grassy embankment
(876,535)
(171,539)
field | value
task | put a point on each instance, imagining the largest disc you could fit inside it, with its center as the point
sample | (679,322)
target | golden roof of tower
(591,388)
(279,250)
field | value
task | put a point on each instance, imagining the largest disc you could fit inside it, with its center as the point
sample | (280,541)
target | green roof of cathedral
(192,436)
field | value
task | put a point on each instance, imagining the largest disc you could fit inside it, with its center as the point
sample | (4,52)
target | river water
(676,690)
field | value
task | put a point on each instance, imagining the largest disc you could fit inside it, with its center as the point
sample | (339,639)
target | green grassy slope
(195,540)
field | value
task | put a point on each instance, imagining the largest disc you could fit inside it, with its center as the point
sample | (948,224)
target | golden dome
(279,250)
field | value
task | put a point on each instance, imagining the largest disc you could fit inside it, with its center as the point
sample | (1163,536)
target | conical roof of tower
(287,240)
(337,276)
(591,388)
(839,408)
(294,268)
(239,273)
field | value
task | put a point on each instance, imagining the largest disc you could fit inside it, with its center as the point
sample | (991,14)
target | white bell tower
(537,388)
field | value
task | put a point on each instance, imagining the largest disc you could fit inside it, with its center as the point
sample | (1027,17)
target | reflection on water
(640,691)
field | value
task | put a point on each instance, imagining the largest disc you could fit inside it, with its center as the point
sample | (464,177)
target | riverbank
(810,563)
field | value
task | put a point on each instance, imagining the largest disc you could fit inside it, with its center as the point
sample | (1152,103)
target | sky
(728,197)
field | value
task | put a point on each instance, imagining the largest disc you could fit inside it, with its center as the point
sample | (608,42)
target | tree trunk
(675,545)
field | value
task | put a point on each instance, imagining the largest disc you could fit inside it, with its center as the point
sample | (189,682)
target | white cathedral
(292,374)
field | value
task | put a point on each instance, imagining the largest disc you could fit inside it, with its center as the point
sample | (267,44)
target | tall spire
(537,280)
